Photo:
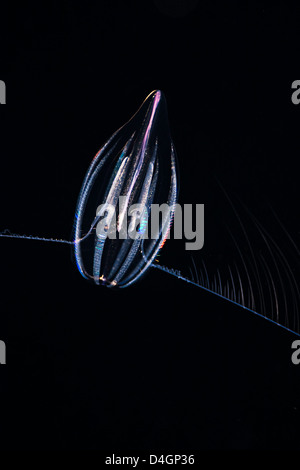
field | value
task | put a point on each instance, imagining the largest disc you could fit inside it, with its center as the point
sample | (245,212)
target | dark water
(161,365)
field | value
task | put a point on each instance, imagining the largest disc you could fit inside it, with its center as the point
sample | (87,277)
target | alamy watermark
(136,221)
(2,92)
(296,354)
(2,352)
(296,94)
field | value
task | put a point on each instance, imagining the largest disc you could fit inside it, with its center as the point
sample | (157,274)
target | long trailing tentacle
(263,283)
(176,273)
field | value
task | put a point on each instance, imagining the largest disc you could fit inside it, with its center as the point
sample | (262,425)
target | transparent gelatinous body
(135,169)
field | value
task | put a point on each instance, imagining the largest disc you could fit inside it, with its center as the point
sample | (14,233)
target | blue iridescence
(138,164)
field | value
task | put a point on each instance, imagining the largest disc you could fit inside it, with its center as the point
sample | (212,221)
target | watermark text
(2,92)
(139,222)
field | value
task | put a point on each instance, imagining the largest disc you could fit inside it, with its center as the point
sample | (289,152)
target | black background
(160,365)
